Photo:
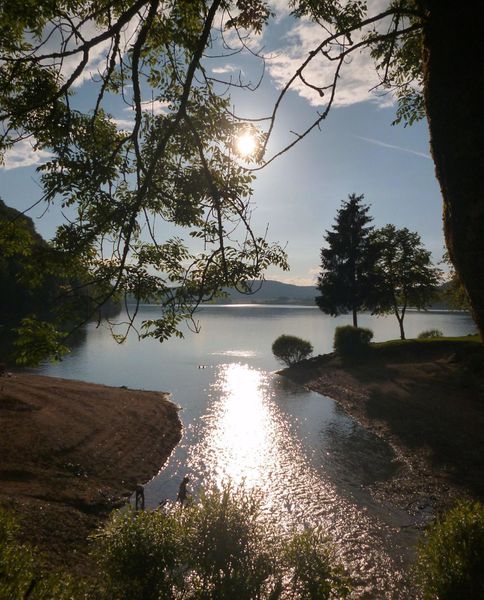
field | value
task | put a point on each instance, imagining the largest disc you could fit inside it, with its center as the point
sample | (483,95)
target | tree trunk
(453,88)
(355,318)
(402,331)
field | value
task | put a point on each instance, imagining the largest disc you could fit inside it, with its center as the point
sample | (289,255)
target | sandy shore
(426,408)
(71,451)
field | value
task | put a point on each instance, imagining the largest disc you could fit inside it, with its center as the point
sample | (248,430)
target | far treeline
(39,286)
(384,271)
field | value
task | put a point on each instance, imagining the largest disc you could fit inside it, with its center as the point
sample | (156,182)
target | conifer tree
(348,280)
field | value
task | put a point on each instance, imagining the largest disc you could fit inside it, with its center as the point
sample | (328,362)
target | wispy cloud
(226,69)
(23,154)
(394,147)
(124,124)
(357,78)
(157,107)
(309,279)
(97,55)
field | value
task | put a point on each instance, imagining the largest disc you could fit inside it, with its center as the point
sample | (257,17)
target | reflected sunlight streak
(244,430)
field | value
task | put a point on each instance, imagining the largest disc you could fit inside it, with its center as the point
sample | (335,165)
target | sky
(356,151)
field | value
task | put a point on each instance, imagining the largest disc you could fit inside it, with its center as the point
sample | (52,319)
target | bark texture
(454,96)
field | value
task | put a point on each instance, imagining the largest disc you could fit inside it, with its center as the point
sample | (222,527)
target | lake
(242,423)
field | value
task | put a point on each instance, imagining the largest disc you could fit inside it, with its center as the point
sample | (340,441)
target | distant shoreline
(306,306)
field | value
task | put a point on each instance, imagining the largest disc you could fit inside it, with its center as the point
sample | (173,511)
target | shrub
(429,334)
(351,341)
(315,573)
(21,575)
(450,563)
(289,349)
(217,547)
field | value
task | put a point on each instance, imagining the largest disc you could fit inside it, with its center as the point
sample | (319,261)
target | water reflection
(238,442)
(256,431)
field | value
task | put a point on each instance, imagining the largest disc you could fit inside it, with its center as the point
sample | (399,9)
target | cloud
(124,124)
(157,107)
(23,154)
(226,69)
(357,76)
(309,279)
(280,8)
(394,147)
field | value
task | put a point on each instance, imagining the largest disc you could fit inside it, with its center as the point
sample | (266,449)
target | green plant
(215,548)
(315,574)
(450,564)
(21,573)
(429,334)
(289,349)
(351,341)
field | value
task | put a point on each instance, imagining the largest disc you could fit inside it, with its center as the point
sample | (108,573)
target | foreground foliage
(219,547)
(21,575)
(290,349)
(215,548)
(451,556)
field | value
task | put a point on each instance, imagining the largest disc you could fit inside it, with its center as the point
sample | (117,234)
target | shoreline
(423,410)
(73,451)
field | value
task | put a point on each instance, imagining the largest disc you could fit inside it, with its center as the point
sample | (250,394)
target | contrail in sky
(385,145)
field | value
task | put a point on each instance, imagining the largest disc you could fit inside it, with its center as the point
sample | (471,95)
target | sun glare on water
(246,144)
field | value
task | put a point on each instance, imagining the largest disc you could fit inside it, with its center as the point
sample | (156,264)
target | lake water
(244,424)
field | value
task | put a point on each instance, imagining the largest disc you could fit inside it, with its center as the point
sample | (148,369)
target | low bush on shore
(429,334)
(290,349)
(351,341)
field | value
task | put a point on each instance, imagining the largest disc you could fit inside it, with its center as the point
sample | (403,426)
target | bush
(351,341)
(315,574)
(429,334)
(289,349)
(21,573)
(217,548)
(450,563)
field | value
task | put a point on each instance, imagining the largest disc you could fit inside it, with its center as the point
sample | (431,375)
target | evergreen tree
(348,280)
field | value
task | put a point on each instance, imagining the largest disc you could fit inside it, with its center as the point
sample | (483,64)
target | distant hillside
(271,292)
(276,292)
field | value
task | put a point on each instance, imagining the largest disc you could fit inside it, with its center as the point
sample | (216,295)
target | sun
(246,144)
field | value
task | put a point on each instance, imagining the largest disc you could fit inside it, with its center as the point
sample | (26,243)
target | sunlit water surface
(243,424)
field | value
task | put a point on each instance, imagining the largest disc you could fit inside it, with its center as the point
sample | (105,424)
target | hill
(271,292)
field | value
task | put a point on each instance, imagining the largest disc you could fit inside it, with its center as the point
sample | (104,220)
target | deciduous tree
(407,275)
(171,163)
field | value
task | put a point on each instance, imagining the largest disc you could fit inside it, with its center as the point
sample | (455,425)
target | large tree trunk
(454,96)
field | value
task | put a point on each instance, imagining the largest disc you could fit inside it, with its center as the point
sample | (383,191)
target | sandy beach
(72,451)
